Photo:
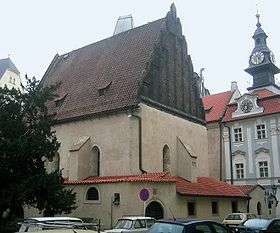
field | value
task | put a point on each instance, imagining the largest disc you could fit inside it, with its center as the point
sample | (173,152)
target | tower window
(258,41)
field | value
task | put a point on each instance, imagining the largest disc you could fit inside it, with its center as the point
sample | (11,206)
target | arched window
(166,159)
(95,162)
(92,194)
(259,208)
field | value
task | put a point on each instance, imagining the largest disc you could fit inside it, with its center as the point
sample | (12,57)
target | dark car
(188,226)
(258,225)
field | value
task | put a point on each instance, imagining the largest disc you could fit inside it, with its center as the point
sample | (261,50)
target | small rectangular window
(261,131)
(234,206)
(215,207)
(238,137)
(191,209)
(239,169)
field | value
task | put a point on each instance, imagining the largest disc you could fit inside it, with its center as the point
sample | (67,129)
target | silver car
(135,224)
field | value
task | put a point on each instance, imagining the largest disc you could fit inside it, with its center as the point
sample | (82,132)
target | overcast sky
(218,32)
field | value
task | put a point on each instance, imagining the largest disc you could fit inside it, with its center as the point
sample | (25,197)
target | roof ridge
(111,37)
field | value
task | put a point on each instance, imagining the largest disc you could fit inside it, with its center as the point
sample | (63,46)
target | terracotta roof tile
(246,189)
(206,186)
(147,177)
(215,105)
(203,187)
(262,93)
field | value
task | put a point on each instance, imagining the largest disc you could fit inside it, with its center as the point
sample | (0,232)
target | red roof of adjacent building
(247,189)
(262,93)
(215,105)
(203,187)
(206,186)
(268,100)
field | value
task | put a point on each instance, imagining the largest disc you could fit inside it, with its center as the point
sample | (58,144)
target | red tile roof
(206,186)
(215,105)
(147,177)
(262,93)
(271,105)
(203,187)
(247,189)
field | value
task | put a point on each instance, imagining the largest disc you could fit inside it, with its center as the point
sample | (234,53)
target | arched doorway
(154,210)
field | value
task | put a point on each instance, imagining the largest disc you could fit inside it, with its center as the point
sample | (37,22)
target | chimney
(233,86)
(123,24)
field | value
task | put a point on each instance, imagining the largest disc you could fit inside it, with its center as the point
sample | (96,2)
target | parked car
(235,219)
(69,231)
(258,225)
(42,223)
(188,226)
(135,224)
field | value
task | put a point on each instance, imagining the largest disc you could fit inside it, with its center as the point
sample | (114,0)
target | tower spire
(258,19)
(261,61)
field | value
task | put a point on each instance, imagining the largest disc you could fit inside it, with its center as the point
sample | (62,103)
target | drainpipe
(230,152)
(139,139)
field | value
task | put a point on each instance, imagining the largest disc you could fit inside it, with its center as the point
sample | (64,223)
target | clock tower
(261,63)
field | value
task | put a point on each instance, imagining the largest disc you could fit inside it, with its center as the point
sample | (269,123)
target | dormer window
(59,101)
(104,89)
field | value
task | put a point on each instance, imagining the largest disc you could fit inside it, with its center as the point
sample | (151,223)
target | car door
(202,228)
(218,228)
(274,227)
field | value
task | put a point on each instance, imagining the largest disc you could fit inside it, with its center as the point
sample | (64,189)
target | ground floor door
(154,210)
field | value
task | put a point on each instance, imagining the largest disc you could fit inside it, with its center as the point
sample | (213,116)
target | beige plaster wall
(258,195)
(130,203)
(213,134)
(159,129)
(204,207)
(116,137)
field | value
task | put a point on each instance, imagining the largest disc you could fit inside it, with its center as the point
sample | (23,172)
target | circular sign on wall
(144,194)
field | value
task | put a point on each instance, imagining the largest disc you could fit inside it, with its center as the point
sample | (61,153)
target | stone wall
(159,129)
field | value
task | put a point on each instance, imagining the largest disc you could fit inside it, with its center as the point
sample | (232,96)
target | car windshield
(257,223)
(159,227)
(234,217)
(123,224)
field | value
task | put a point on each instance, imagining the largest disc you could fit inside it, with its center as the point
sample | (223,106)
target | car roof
(184,221)
(43,219)
(135,217)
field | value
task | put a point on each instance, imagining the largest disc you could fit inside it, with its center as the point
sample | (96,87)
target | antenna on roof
(124,23)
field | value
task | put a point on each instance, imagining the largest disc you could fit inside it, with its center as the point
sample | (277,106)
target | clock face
(272,57)
(257,58)
(246,106)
